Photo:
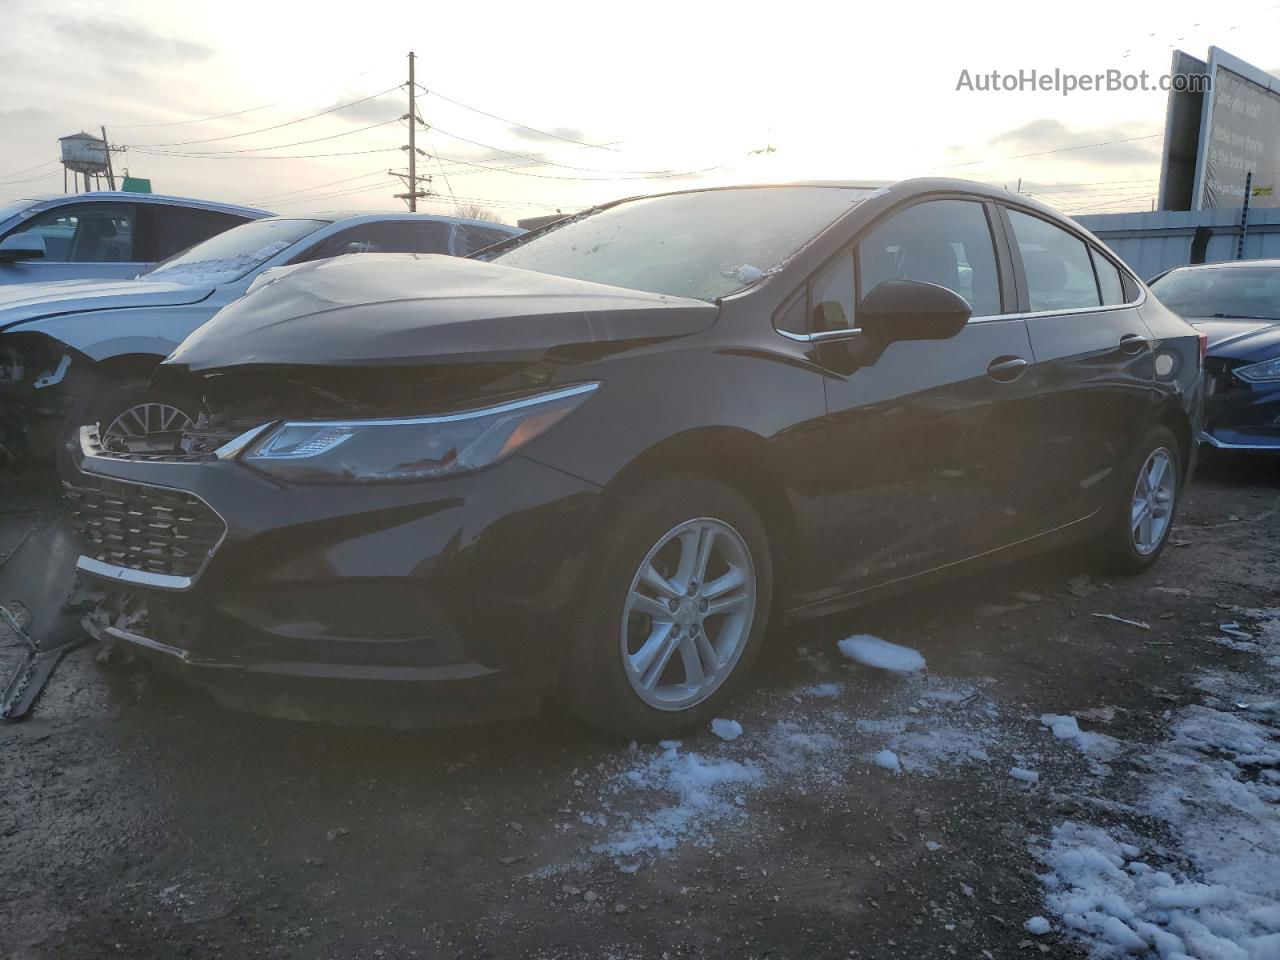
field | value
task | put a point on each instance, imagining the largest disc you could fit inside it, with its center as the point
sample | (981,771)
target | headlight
(1257,372)
(414,448)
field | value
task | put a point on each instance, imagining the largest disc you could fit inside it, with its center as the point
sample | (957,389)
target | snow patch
(889,760)
(726,729)
(881,654)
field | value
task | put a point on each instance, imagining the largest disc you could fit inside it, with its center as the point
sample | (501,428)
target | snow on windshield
(231,255)
(217,271)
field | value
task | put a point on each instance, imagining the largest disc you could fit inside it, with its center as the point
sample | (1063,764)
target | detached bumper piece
(39,602)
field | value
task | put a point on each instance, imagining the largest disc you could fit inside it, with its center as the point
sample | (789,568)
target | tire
(109,408)
(604,681)
(1126,547)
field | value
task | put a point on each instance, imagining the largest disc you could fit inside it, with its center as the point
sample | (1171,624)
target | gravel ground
(139,819)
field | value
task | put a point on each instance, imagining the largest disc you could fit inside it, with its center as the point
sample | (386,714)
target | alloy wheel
(688,614)
(1153,500)
(136,425)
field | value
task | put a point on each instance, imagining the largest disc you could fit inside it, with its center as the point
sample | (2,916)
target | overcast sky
(838,90)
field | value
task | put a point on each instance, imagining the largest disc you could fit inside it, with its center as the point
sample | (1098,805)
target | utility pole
(412,193)
(413,153)
(106,148)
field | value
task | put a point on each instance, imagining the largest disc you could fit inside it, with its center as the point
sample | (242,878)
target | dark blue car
(1237,305)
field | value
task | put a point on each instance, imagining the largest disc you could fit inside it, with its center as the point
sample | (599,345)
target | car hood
(1240,339)
(397,309)
(21,302)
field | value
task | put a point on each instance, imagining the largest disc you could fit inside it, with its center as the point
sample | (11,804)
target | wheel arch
(735,457)
(1173,417)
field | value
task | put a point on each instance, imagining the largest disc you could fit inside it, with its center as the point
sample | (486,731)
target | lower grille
(152,529)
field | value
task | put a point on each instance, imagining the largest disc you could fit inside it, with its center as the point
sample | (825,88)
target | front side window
(383,236)
(1059,271)
(945,242)
(86,233)
(703,244)
(231,255)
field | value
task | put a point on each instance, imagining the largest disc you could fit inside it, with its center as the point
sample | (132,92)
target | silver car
(105,235)
(80,352)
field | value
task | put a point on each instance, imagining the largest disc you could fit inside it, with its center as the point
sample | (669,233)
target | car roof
(1271,263)
(161,198)
(909,187)
(333,216)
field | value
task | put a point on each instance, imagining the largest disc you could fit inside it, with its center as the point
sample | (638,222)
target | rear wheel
(676,614)
(1139,528)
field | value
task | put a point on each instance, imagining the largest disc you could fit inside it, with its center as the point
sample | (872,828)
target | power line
(280,156)
(538,161)
(14,173)
(430,144)
(1045,153)
(277,126)
(515,123)
(283,146)
(318,186)
(176,123)
(549,176)
(39,176)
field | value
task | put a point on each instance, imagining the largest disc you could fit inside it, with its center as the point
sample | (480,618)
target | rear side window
(86,233)
(946,242)
(383,236)
(178,228)
(1109,282)
(1057,264)
(469,239)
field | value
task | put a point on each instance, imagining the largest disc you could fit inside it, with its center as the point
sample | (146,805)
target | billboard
(1214,140)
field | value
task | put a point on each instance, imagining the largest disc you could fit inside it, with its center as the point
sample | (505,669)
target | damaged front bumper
(232,576)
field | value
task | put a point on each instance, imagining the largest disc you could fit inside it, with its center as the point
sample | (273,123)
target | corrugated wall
(1153,242)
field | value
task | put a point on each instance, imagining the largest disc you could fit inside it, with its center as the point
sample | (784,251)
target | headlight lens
(413,448)
(1258,372)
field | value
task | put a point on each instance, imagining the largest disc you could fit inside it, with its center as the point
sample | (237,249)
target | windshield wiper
(1239,316)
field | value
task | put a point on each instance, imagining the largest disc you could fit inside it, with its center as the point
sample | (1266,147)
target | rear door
(1094,364)
(928,438)
(93,240)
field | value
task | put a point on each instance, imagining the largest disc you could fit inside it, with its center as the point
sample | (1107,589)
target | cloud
(1047,134)
(372,111)
(125,40)
(565,133)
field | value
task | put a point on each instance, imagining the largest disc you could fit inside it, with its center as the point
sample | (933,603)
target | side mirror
(21,246)
(912,310)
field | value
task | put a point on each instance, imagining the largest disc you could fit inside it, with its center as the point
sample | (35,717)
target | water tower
(86,154)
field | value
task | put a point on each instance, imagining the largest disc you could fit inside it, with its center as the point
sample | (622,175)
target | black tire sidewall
(595,682)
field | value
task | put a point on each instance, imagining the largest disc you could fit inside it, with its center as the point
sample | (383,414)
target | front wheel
(131,418)
(677,612)
(1139,528)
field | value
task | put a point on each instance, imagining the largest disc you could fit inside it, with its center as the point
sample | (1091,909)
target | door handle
(1134,343)
(1007,369)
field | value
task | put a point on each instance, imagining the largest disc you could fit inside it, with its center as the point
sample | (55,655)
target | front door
(94,240)
(928,439)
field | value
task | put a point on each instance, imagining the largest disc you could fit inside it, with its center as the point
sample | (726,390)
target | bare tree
(474,211)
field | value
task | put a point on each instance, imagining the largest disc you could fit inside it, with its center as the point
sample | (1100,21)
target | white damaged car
(81,351)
